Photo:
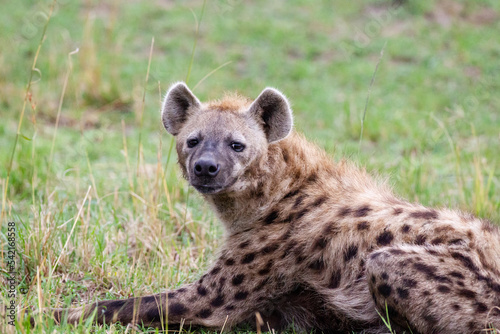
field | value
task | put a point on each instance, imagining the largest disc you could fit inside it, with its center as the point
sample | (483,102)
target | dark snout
(206,167)
(207,173)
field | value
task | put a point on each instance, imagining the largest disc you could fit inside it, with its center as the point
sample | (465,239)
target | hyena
(311,242)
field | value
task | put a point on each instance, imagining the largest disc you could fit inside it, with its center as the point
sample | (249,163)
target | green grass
(432,123)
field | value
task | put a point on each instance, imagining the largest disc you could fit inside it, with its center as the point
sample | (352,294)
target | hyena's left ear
(271,108)
(176,108)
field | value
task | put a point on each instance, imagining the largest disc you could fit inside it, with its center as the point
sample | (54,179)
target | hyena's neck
(291,165)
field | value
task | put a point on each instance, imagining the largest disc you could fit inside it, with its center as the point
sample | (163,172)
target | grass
(100,208)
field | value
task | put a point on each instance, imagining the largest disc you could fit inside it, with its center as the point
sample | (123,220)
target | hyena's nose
(206,167)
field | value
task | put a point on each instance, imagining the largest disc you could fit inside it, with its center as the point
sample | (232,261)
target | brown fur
(313,242)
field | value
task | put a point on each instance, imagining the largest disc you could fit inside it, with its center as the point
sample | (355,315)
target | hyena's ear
(271,108)
(178,103)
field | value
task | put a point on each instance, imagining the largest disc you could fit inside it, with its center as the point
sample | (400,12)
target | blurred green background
(90,118)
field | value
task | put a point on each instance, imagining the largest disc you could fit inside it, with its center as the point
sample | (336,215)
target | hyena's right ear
(178,103)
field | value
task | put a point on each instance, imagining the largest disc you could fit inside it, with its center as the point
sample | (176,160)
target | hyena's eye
(192,143)
(238,147)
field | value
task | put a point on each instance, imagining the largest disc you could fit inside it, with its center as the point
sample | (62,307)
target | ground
(430,125)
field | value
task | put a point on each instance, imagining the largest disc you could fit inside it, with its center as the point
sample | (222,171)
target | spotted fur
(310,241)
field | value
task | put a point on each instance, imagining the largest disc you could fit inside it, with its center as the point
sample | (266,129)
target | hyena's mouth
(208,189)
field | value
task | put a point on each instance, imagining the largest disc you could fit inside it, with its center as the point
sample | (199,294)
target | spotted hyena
(309,241)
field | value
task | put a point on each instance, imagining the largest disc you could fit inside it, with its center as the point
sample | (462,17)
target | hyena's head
(218,142)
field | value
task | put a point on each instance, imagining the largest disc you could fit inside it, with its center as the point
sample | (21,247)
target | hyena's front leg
(229,293)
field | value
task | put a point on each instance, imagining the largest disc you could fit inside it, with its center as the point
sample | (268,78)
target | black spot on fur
(384,276)
(201,290)
(455,241)
(481,307)
(393,314)
(229,262)
(430,319)
(343,212)
(374,255)
(385,238)
(385,290)
(456,307)
(397,211)
(215,271)
(241,295)
(335,280)
(456,274)
(205,313)
(299,258)
(261,285)
(301,213)
(350,253)
(469,294)
(466,261)
(319,201)
(289,218)
(244,244)
(248,258)
(171,295)
(317,265)
(176,309)
(229,307)
(286,157)
(271,218)
(298,201)
(362,211)
(287,251)
(217,301)
(238,279)
(266,269)
(331,229)
(443,289)
(402,293)
(409,283)
(424,268)
(269,249)
(433,252)
(286,235)
(405,228)
(222,281)
(437,241)
(426,214)
(430,272)
(312,178)
(363,225)
(396,251)
(320,243)
(420,239)
(292,193)
(471,325)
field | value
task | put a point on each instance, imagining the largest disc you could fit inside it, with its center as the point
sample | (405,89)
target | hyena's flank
(309,241)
